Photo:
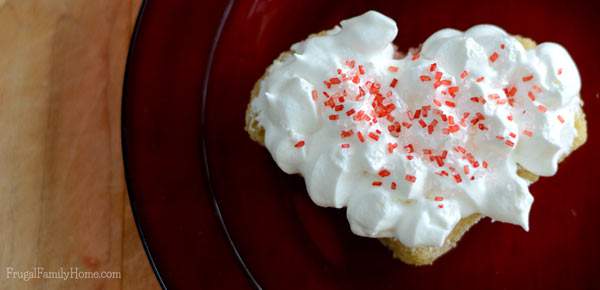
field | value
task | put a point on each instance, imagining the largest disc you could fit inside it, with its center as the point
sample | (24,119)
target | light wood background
(63,199)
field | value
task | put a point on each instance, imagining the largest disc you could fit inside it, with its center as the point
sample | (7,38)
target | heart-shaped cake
(419,146)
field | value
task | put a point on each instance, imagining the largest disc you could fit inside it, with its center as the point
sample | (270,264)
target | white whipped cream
(409,194)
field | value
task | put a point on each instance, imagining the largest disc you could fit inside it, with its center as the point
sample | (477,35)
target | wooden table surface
(63,200)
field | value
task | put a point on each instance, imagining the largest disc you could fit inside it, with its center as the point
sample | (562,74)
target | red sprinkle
(433,67)
(315,95)
(350,112)
(425,78)
(527,133)
(425,110)
(453,128)
(410,178)
(360,136)
(361,69)
(440,206)
(484,164)
(438,198)
(394,83)
(431,126)
(345,145)
(393,68)
(373,136)
(464,117)
(480,79)
(384,173)
(391,147)
(329,103)
(438,160)
(359,115)
(450,104)
(509,143)
(457,178)
(531,96)
(527,78)
(335,81)
(460,149)
(333,117)
(452,91)
(464,74)
(494,57)
(560,118)
(376,183)
(393,185)
(299,144)
(450,120)
(417,114)
(512,91)
(345,134)
(560,71)
(542,108)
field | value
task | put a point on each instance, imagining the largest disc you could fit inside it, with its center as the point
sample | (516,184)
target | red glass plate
(214,210)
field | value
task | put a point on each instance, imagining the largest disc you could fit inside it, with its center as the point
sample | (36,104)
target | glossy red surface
(285,240)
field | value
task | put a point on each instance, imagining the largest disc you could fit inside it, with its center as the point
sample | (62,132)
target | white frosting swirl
(470,107)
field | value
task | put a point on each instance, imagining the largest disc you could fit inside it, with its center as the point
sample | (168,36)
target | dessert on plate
(419,147)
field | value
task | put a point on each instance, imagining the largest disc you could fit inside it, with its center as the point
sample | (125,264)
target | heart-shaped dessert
(419,147)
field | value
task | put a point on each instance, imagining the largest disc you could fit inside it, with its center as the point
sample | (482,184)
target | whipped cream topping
(412,145)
